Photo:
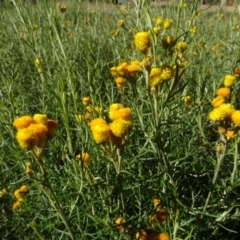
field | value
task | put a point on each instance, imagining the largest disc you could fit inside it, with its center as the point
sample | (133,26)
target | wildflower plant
(143,137)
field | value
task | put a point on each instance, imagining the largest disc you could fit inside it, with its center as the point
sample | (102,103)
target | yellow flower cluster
(34,131)
(20,195)
(166,23)
(127,71)
(160,75)
(121,124)
(181,46)
(223,112)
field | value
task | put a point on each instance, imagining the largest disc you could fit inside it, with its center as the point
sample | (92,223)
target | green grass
(170,153)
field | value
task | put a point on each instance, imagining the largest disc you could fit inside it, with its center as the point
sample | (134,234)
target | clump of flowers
(34,132)
(160,75)
(127,71)
(20,195)
(224,113)
(114,131)
(221,113)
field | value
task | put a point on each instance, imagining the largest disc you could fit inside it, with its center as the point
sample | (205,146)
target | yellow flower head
(24,189)
(159,21)
(97,121)
(26,138)
(40,118)
(123,113)
(167,24)
(85,158)
(163,236)
(186,99)
(230,134)
(21,193)
(132,70)
(100,130)
(120,223)
(113,108)
(29,168)
(23,122)
(222,112)
(181,46)
(168,42)
(38,62)
(121,69)
(101,133)
(159,75)
(156,30)
(86,101)
(142,41)
(156,202)
(193,29)
(3,192)
(120,127)
(16,206)
(236,118)
(121,23)
(229,80)
(217,101)
(224,92)
(119,81)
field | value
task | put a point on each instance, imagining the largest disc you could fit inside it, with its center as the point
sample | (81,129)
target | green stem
(235,165)
(220,157)
(120,177)
(53,199)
